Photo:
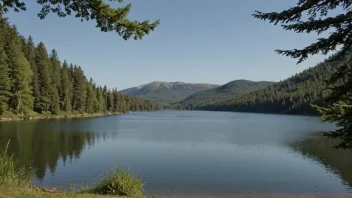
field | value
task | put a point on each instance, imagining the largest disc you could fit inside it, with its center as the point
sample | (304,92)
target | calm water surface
(186,152)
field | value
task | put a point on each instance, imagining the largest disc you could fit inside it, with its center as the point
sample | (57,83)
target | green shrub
(119,181)
(13,173)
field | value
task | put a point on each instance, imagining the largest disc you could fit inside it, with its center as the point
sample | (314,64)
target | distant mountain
(223,92)
(167,92)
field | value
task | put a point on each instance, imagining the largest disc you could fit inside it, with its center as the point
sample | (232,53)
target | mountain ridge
(223,92)
(167,92)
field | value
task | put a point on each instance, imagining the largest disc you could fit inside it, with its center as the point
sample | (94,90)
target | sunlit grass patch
(118,181)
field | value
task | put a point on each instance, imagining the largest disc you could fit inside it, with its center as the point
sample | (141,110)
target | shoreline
(256,196)
(48,117)
(33,191)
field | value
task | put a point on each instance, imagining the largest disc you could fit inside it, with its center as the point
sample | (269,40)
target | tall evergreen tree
(21,100)
(65,89)
(100,101)
(122,106)
(44,80)
(56,82)
(5,83)
(79,90)
(105,95)
(30,56)
(109,101)
(90,98)
(116,100)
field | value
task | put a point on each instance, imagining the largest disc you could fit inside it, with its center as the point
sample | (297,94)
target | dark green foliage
(107,18)
(5,93)
(5,81)
(338,27)
(21,101)
(30,80)
(79,90)
(56,82)
(44,80)
(65,89)
(91,100)
(117,101)
(29,52)
(340,109)
(109,101)
(100,105)
(221,93)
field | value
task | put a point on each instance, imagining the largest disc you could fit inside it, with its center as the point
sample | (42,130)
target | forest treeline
(223,92)
(291,96)
(31,80)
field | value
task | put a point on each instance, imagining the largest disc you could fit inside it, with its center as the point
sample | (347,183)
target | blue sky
(198,41)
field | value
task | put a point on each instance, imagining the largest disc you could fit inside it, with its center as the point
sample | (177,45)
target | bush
(119,181)
(13,173)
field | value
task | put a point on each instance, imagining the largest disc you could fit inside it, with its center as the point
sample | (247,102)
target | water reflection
(185,152)
(321,150)
(44,147)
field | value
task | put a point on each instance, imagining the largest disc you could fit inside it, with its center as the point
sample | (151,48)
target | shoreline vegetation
(59,116)
(16,181)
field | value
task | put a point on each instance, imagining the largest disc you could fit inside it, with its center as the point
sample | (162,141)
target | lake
(186,152)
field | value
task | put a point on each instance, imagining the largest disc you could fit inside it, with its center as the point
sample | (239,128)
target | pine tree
(90,98)
(116,101)
(65,89)
(338,28)
(30,56)
(105,95)
(20,74)
(109,101)
(5,82)
(44,80)
(56,82)
(122,106)
(100,101)
(79,90)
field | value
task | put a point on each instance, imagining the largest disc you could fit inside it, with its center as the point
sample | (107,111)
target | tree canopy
(107,18)
(322,18)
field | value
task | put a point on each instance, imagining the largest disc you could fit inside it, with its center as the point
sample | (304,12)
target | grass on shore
(13,173)
(15,181)
(10,191)
(118,181)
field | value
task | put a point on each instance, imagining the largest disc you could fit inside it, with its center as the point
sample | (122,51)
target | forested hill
(167,92)
(223,92)
(291,96)
(33,81)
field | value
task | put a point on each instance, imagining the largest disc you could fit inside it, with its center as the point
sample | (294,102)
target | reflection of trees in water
(32,143)
(321,150)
